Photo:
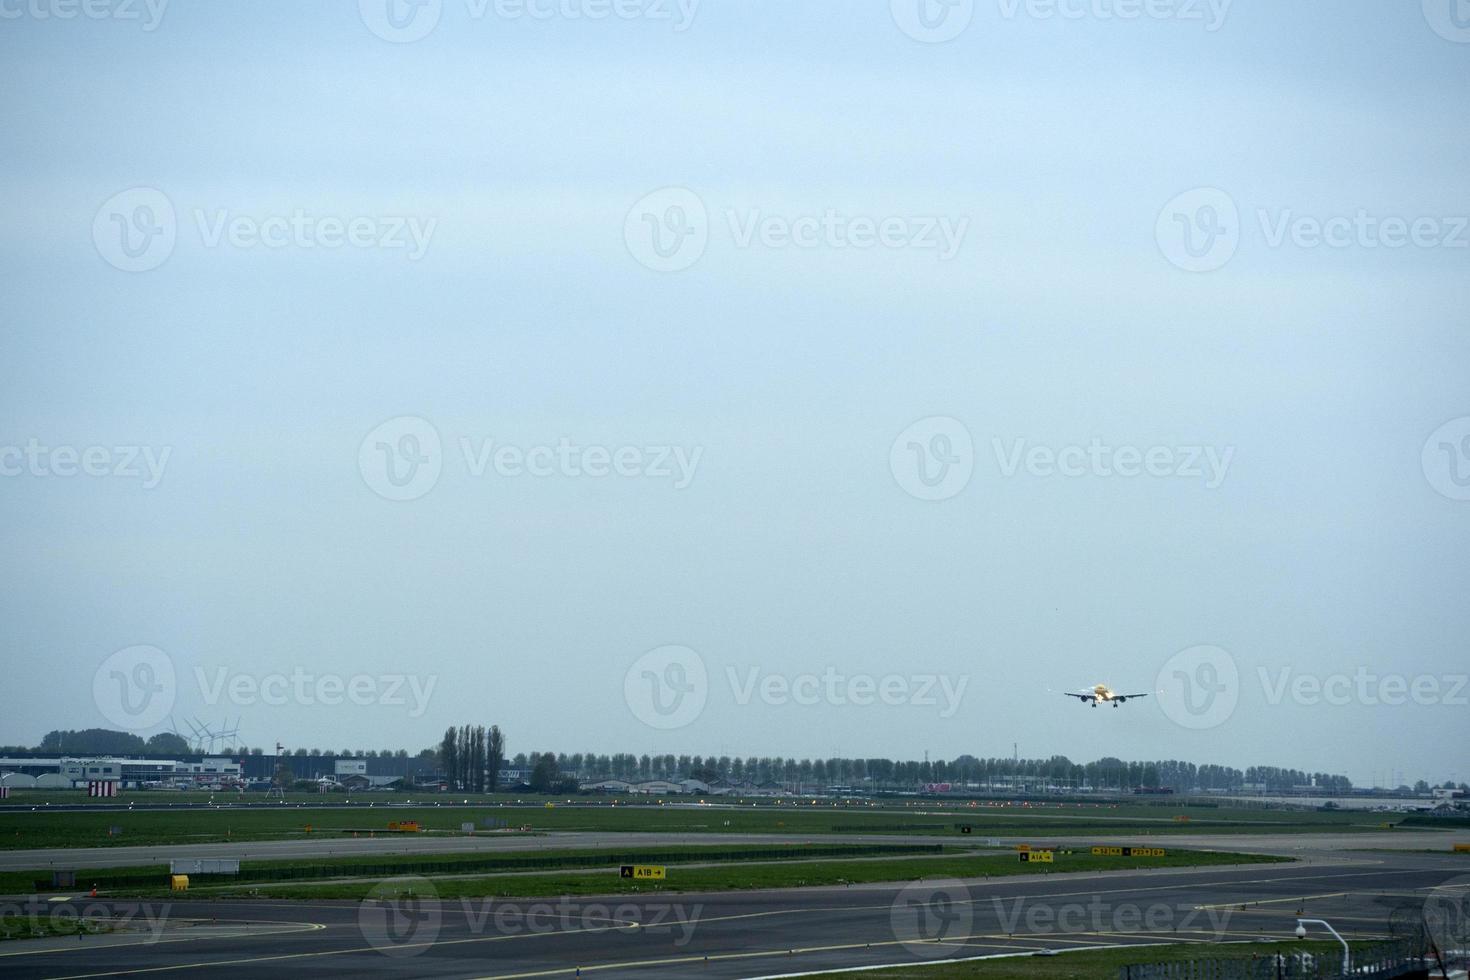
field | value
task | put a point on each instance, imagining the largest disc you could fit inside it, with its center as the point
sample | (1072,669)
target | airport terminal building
(75,772)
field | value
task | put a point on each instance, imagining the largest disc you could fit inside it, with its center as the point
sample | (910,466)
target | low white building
(69,772)
(656,787)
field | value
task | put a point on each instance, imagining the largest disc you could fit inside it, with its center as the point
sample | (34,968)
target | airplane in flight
(1101,692)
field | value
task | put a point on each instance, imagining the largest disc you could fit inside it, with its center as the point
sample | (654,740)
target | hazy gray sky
(858,310)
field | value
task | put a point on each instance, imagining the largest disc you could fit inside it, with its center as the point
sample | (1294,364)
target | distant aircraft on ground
(1101,692)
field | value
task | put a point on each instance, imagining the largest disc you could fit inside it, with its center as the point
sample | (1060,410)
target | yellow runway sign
(643,872)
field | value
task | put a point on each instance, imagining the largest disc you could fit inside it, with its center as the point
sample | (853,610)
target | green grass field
(378,866)
(42,926)
(794,873)
(47,827)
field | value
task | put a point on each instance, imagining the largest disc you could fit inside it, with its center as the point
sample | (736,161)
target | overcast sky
(365,371)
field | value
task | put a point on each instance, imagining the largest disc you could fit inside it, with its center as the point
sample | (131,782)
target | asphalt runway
(341,846)
(741,934)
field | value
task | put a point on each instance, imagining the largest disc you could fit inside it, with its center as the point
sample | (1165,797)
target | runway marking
(1271,901)
(765,913)
(293,927)
(1007,942)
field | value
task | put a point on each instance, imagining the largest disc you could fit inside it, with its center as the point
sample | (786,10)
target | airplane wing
(1122,696)
(1080,697)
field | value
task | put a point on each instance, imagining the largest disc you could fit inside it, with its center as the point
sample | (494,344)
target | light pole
(1301,933)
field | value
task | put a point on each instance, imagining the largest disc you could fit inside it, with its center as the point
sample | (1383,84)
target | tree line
(471,757)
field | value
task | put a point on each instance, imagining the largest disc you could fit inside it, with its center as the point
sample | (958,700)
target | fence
(1379,961)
